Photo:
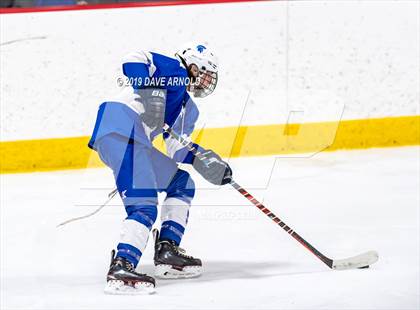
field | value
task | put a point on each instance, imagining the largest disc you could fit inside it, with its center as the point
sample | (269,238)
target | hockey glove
(213,168)
(154,102)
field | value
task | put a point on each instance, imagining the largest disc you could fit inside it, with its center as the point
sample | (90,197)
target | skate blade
(167,272)
(117,287)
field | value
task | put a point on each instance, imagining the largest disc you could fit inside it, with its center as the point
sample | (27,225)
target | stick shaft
(255,202)
(282,224)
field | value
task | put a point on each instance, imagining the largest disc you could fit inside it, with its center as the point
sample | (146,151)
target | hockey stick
(359,261)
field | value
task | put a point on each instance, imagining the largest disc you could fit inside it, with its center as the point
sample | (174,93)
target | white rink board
(57,67)
(344,203)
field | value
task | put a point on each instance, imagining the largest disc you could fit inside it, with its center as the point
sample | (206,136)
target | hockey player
(158,93)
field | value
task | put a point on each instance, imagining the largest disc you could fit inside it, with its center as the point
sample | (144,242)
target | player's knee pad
(144,214)
(182,186)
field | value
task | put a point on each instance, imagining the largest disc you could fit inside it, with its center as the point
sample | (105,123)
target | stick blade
(359,261)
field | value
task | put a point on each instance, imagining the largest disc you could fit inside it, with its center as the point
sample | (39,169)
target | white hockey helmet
(205,60)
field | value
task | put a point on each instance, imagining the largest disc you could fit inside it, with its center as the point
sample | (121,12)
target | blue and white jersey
(121,114)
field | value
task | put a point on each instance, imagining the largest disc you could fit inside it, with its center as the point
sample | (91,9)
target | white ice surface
(344,203)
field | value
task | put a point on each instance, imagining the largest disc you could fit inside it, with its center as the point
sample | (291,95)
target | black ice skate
(122,279)
(171,261)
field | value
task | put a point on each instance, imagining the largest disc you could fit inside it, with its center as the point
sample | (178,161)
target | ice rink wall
(295,76)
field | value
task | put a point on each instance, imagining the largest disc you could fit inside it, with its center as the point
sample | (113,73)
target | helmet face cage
(205,84)
(206,62)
